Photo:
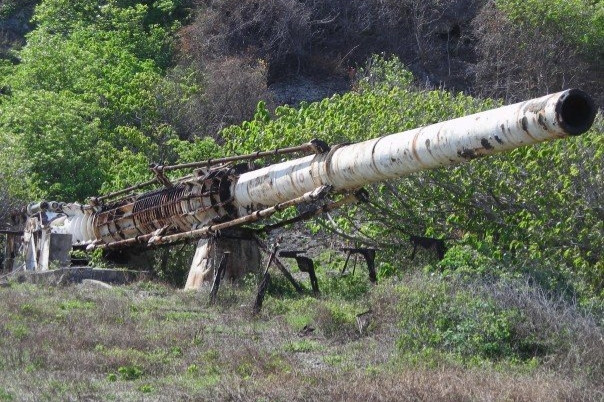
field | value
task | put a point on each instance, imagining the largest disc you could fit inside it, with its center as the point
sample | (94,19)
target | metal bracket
(319,146)
(368,254)
(279,264)
(305,264)
(218,276)
(158,171)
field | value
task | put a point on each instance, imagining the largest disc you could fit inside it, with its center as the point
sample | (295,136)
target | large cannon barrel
(225,194)
(559,115)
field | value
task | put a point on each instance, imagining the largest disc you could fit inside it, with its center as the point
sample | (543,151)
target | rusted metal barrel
(563,114)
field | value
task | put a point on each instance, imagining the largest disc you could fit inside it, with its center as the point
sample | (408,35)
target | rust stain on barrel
(428,146)
(541,120)
(524,123)
(414,148)
(486,144)
(467,153)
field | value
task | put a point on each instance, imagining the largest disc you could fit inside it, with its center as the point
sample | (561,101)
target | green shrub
(579,21)
(88,79)
(146,388)
(511,320)
(435,315)
(130,373)
(386,270)
(301,346)
(348,287)
(464,259)
(335,319)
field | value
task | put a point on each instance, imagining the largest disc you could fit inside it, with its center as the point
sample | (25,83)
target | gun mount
(221,195)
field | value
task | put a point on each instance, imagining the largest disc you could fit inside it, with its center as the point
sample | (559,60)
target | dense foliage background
(96,90)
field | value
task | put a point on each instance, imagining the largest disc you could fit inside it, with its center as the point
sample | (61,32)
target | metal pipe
(451,142)
(96,200)
(36,207)
(314,145)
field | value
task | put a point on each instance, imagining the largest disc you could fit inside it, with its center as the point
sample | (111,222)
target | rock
(94,284)
(61,281)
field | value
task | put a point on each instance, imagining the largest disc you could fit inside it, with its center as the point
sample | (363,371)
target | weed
(193,369)
(473,352)
(348,287)
(130,373)
(75,304)
(19,331)
(301,346)
(335,320)
(28,309)
(334,360)
(5,395)
(175,351)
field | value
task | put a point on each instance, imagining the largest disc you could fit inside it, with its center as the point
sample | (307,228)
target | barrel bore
(575,112)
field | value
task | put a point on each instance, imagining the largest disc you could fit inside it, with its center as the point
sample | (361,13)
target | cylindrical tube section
(571,112)
(36,207)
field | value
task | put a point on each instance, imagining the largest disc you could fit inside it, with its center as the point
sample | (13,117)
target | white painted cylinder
(202,200)
(451,142)
(77,222)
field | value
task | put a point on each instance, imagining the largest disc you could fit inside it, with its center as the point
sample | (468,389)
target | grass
(148,341)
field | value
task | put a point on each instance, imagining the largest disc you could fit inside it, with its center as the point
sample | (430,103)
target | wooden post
(12,247)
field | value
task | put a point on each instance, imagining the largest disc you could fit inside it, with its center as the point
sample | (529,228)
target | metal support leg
(218,276)
(368,254)
(305,264)
(280,266)
(264,283)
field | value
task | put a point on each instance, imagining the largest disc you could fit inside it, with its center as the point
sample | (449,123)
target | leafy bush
(578,21)
(82,101)
(529,48)
(130,373)
(348,287)
(436,316)
(504,319)
(48,138)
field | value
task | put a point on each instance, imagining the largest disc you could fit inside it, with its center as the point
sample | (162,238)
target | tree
(84,98)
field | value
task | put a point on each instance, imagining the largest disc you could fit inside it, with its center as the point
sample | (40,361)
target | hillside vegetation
(96,90)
